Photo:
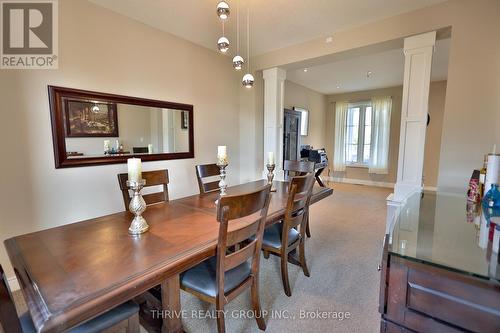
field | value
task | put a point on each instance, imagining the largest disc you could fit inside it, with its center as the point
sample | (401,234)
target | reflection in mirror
(91,128)
(95,128)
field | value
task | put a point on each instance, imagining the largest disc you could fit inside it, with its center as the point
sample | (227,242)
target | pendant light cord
(248,38)
(238,27)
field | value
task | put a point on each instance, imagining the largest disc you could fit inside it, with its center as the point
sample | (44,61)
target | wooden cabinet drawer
(452,298)
(424,298)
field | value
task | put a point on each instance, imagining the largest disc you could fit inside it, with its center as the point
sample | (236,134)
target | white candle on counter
(221,155)
(150,148)
(270,158)
(107,145)
(134,166)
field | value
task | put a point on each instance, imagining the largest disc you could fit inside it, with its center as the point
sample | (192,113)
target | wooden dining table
(75,272)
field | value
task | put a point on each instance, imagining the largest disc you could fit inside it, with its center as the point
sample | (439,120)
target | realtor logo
(29,34)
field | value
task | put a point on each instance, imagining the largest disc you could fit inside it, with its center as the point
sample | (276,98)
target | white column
(274,89)
(417,74)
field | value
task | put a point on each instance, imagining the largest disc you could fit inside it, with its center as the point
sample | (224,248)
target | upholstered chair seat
(96,325)
(274,234)
(202,277)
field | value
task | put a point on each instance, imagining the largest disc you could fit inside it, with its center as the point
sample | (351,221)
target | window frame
(362,105)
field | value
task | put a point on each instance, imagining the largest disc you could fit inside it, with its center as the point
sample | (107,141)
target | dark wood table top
(74,272)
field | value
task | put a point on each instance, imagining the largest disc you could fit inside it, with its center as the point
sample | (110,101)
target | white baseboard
(371,183)
(13,283)
(430,188)
(361,182)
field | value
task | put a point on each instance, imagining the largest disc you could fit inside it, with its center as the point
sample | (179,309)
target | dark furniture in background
(319,157)
(140,150)
(123,318)
(291,134)
(206,171)
(222,278)
(183,233)
(57,98)
(282,238)
(436,274)
(153,178)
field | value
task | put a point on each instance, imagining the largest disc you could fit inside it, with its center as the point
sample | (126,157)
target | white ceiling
(274,24)
(348,75)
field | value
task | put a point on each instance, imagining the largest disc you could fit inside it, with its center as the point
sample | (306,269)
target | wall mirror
(92,128)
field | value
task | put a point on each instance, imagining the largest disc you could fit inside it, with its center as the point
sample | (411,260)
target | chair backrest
(297,207)
(140,150)
(205,171)
(297,168)
(153,178)
(248,213)
(8,315)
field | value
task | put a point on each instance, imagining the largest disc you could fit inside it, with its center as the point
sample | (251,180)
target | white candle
(221,155)
(134,169)
(106,145)
(270,158)
(150,148)
(117,145)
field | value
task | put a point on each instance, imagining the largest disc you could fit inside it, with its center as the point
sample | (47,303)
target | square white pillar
(418,52)
(274,89)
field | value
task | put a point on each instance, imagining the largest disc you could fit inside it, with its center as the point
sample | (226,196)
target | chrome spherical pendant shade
(223,10)
(248,80)
(223,44)
(238,62)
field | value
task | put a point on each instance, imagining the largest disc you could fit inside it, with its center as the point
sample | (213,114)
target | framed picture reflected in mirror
(90,119)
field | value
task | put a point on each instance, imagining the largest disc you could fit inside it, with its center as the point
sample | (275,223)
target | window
(358,134)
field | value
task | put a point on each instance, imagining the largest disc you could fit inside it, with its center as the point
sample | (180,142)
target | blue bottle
(492,197)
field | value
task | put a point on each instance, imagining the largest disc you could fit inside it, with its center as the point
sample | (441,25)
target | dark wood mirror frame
(58,127)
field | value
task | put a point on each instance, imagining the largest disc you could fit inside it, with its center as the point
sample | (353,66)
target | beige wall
(316,103)
(140,61)
(472,117)
(252,130)
(134,125)
(437,96)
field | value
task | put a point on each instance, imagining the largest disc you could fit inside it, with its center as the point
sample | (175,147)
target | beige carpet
(343,253)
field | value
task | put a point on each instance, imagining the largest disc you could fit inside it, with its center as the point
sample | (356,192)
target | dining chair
(123,318)
(299,168)
(204,171)
(153,178)
(282,238)
(221,278)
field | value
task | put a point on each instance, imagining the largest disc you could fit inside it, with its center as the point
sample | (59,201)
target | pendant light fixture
(248,79)
(223,42)
(238,60)
(223,10)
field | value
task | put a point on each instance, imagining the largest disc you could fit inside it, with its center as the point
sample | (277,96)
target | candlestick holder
(137,206)
(222,182)
(270,175)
